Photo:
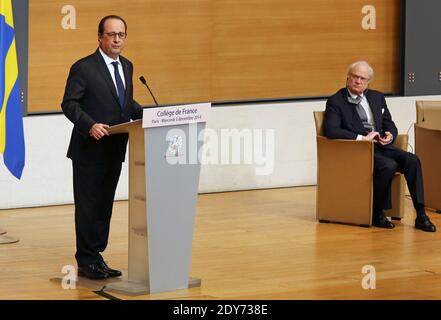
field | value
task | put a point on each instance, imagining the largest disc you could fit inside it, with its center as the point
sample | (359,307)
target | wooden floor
(247,245)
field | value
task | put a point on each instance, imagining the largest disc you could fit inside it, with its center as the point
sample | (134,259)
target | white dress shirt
(108,60)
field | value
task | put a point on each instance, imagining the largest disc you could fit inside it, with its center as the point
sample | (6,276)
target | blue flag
(11,118)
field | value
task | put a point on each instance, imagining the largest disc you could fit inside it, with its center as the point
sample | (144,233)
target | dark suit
(343,122)
(90,97)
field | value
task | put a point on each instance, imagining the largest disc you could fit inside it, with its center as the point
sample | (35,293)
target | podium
(163,186)
(428,149)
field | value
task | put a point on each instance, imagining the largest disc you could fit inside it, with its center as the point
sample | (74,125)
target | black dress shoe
(111,272)
(92,271)
(423,223)
(381,221)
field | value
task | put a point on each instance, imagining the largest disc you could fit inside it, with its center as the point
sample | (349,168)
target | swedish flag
(11,117)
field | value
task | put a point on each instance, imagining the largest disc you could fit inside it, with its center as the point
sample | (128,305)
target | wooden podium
(163,192)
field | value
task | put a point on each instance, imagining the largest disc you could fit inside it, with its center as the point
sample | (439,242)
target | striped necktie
(361,113)
(119,84)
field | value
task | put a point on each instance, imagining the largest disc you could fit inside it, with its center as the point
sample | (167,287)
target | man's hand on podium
(98,131)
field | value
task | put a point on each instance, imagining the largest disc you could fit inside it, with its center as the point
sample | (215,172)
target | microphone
(144,82)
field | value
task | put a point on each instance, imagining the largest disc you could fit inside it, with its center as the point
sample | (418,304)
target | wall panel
(168,42)
(220,50)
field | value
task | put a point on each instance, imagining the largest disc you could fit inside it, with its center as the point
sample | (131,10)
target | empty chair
(428,149)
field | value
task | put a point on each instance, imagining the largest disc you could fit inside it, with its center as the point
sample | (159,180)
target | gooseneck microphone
(144,82)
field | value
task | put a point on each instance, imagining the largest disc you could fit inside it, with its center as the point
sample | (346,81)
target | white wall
(47,177)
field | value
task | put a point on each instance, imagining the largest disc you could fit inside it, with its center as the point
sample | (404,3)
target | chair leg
(397,219)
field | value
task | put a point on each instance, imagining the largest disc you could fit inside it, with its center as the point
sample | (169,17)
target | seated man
(357,113)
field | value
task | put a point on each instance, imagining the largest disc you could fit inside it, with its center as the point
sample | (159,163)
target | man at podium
(98,94)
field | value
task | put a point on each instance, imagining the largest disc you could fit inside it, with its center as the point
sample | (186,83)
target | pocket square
(382,110)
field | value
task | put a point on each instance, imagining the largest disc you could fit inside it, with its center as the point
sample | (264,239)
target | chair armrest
(428,140)
(344,180)
(401,141)
(338,155)
(428,150)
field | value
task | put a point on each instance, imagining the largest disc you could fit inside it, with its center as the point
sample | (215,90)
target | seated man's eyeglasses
(355,77)
(121,35)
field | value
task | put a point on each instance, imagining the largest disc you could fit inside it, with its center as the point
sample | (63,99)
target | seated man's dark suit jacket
(342,120)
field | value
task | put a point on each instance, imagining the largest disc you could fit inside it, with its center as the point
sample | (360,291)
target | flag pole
(11,121)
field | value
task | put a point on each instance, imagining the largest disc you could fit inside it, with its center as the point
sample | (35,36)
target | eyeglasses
(355,77)
(121,35)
